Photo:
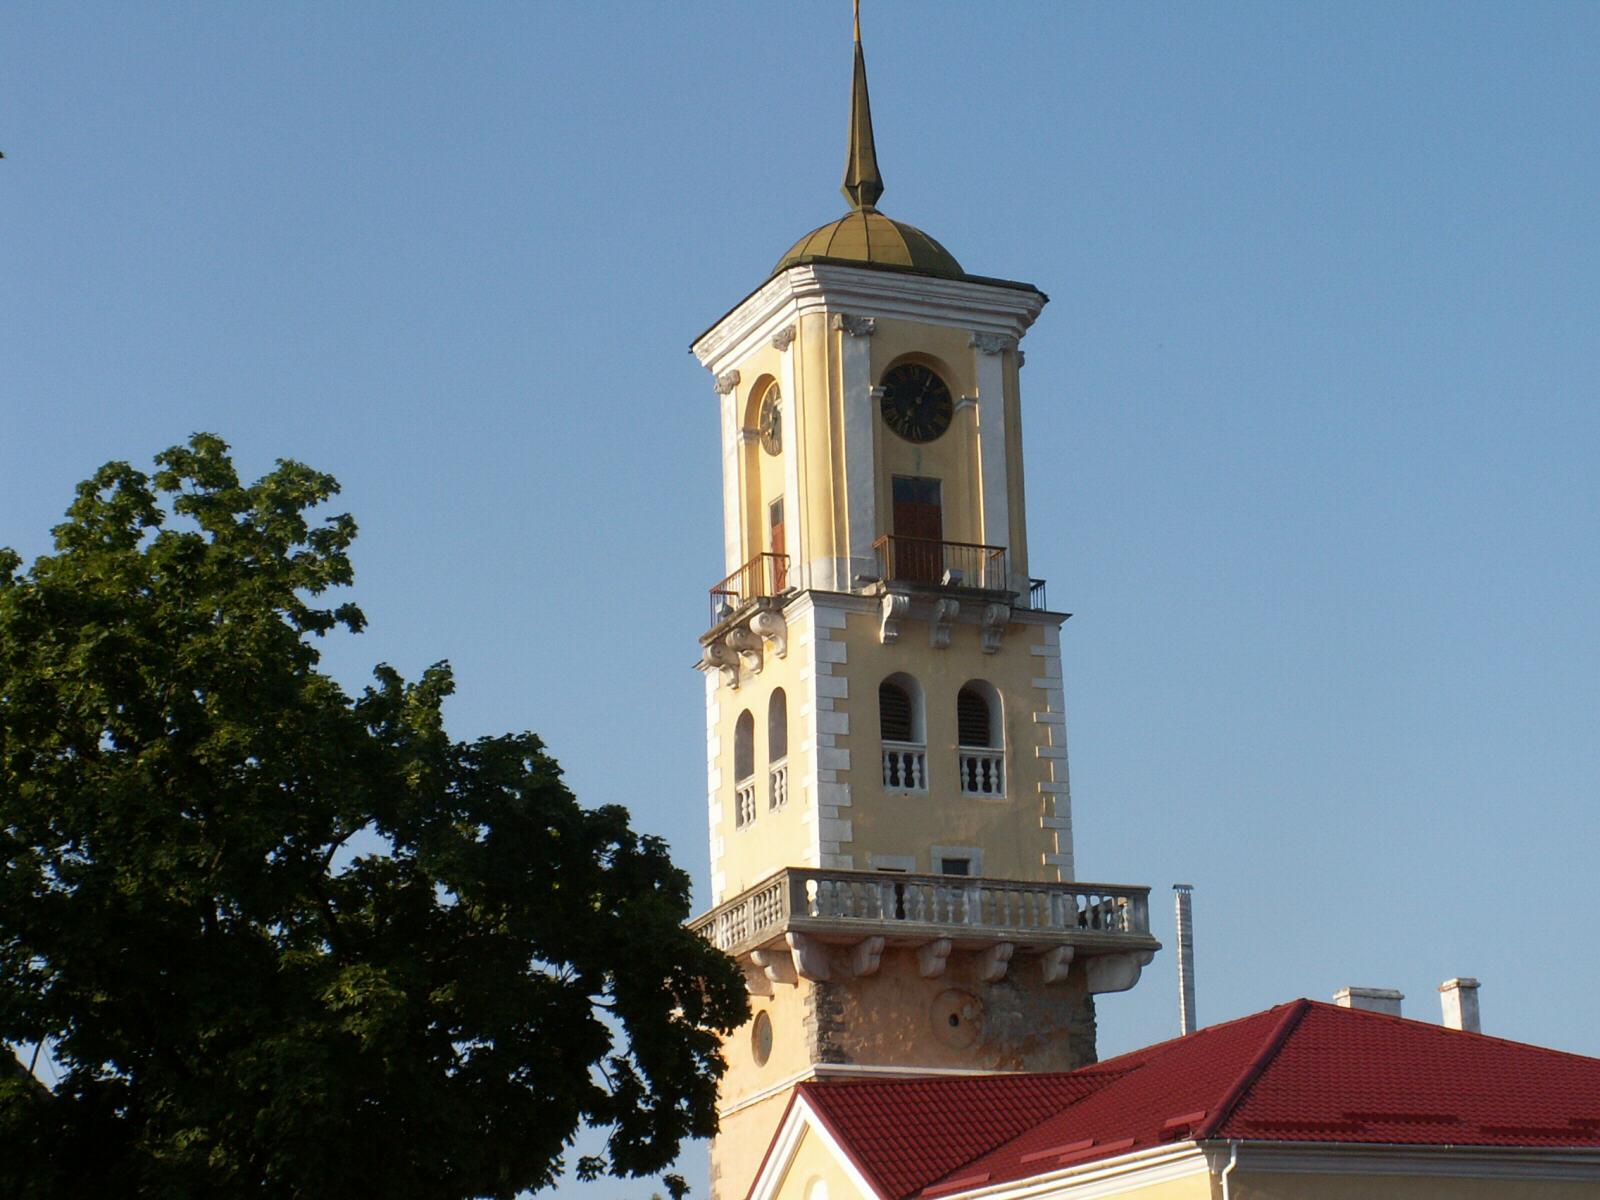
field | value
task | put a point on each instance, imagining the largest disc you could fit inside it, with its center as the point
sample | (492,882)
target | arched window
(777,749)
(980,734)
(744,769)
(900,724)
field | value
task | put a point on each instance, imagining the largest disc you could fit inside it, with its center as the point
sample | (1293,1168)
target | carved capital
(991,343)
(784,338)
(1056,963)
(866,957)
(854,326)
(992,962)
(727,381)
(893,606)
(769,624)
(932,958)
(944,616)
(995,619)
(810,957)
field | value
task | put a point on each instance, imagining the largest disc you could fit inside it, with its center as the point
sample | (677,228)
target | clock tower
(890,819)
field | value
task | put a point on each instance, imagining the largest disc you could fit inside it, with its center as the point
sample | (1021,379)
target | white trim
(1571,1164)
(996,528)
(785,1145)
(825,288)
(845,1071)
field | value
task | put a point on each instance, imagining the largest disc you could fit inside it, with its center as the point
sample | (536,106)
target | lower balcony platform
(782,923)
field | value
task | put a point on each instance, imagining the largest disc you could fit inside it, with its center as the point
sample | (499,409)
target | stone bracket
(810,957)
(779,967)
(867,956)
(1056,963)
(945,612)
(992,962)
(995,619)
(725,660)
(1115,972)
(931,958)
(749,645)
(894,607)
(768,623)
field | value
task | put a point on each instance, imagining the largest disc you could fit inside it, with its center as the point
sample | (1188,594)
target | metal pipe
(1186,1019)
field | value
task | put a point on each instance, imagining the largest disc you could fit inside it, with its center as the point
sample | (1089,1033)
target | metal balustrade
(763,575)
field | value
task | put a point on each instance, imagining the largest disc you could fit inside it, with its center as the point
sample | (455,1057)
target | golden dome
(867,236)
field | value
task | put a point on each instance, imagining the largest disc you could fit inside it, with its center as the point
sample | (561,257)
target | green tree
(281,941)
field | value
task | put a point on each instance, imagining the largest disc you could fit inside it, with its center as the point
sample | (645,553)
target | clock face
(770,421)
(916,402)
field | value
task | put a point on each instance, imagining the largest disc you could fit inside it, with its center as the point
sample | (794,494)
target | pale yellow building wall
(1007,829)
(777,838)
(815,1163)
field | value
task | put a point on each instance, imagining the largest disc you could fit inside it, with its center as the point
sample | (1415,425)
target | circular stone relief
(957,1018)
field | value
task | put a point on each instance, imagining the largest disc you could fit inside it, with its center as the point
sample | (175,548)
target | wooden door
(918,530)
(780,565)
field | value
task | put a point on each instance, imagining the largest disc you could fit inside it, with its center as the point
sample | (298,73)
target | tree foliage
(278,940)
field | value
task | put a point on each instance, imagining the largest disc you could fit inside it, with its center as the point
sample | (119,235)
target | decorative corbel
(893,606)
(810,957)
(866,956)
(1022,357)
(769,624)
(854,326)
(756,980)
(992,962)
(931,958)
(784,338)
(749,646)
(945,611)
(719,656)
(995,619)
(1055,963)
(727,381)
(778,966)
(1115,972)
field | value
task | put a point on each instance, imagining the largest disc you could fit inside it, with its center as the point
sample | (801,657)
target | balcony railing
(778,784)
(763,575)
(847,905)
(744,802)
(983,771)
(905,767)
(958,564)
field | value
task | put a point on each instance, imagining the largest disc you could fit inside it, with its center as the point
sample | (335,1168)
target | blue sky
(1311,417)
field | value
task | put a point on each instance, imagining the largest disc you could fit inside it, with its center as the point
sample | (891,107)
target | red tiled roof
(1300,1072)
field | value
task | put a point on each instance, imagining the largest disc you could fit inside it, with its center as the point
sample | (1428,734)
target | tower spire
(862,183)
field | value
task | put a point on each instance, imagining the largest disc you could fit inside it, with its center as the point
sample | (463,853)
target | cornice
(986,309)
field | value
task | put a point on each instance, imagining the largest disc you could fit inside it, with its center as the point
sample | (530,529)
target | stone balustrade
(847,907)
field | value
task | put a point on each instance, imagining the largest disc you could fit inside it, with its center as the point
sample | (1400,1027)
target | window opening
(980,752)
(744,770)
(777,749)
(905,755)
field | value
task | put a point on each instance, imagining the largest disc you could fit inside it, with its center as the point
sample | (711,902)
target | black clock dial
(770,421)
(916,402)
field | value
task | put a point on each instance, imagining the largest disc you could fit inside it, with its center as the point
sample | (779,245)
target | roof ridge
(1293,1014)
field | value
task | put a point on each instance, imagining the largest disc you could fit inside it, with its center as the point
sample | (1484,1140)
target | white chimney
(1460,1000)
(1378,1000)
